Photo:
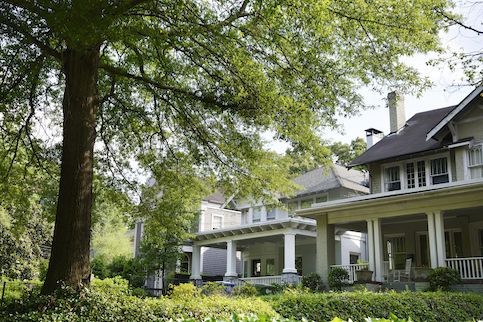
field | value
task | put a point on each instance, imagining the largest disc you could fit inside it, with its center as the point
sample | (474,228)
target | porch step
(400,286)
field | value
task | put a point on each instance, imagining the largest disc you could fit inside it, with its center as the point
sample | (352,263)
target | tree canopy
(192,83)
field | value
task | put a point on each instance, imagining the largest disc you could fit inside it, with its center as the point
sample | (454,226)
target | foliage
(344,153)
(128,268)
(100,304)
(337,278)
(419,306)
(16,289)
(185,291)
(245,290)
(213,288)
(313,282)
(441,278)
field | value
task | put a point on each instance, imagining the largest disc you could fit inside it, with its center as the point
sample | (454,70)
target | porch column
(195,267)
(374,234)
(433,252)
(289,253)
(325,247)
(230,261)
(440,243)
(378,253)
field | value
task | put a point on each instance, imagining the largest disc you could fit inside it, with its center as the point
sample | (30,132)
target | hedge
(103,304)
(419,306)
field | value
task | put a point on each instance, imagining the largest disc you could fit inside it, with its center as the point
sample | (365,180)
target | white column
(440,244)
(433,251)
(378,251)
(289,253)
(195,266)
(370,245)
(231,259)
(325,247)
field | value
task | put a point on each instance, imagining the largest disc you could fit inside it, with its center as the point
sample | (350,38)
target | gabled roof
(409,140)
(216,197)
(326,178)
(458,110)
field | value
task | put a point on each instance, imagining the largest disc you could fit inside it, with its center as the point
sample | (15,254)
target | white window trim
(213,221)
(466,160)
(402,171)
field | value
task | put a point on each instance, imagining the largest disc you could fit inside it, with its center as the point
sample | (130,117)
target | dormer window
(475,162)
(439,171)
(217,222)
(392,178)
(257,214)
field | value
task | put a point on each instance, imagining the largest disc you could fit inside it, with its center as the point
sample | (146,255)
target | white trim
(456,145)
(454,112)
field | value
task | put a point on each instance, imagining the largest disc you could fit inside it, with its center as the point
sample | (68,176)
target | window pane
(306,203)
(217,222)
(270,266)
(411,179)
(256,214)
(439,171)
(292,206)
(392,179)
(320,199)
(421,174)
(271,213)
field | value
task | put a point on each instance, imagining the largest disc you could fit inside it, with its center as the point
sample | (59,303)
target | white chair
(406,273)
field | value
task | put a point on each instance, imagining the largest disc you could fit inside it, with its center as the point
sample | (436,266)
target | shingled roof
(409,140)
(325,178)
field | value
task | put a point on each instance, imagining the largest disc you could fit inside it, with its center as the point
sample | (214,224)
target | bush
(313,282)
(99,305)
(16,289)
(337,278)
(245,290)
(213,288)
(184,291)
(442,278)
(419,306)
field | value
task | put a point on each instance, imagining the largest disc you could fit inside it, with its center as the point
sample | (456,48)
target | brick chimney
(397,113)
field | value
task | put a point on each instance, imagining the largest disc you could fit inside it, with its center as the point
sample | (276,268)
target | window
(416,174)
(353,258)
(271,213)
(320,199)
(217,222)
(395,250)
(256,267)
(410,176)
(257,214)
(306,203)
(422,246)
(475,162)
(392,180)
(270,266)
(453,241)
(421,174)
(299,265)
(184,263)
(292,206)
(439,171)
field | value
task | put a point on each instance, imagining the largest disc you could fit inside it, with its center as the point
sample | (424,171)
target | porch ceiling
(448,198)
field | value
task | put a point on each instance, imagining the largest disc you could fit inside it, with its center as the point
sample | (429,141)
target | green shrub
(442,278)
(185,291)
(419,306)
(116,285)
(16,289)
(337,278)
(213,288)
(245,290)
(98,305)
(313,282)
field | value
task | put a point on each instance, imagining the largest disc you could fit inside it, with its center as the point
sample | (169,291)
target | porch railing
(351,269)
(470,268)
(267,280)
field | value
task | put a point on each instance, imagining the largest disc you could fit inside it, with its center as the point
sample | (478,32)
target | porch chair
(406,273)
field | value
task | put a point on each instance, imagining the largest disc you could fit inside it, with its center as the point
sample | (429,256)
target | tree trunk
(69,260)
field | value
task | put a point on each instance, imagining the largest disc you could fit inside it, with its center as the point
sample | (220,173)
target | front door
(256,267)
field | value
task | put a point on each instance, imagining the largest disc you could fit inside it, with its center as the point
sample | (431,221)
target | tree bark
(69,261)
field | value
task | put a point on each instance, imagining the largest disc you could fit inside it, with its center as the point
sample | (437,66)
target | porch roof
(267,226)
(454,195)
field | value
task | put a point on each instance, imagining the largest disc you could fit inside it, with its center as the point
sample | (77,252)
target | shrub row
(419,306)
(111,300)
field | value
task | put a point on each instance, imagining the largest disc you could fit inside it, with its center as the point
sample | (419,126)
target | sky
(446,89)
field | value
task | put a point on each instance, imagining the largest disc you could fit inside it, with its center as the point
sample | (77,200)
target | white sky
(444,91)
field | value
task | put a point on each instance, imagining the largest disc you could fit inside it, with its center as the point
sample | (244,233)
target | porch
(432,228)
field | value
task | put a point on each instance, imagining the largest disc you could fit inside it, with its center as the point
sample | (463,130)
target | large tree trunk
(69,260)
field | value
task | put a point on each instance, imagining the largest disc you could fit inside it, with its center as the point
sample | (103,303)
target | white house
(426,200)
(274,245)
